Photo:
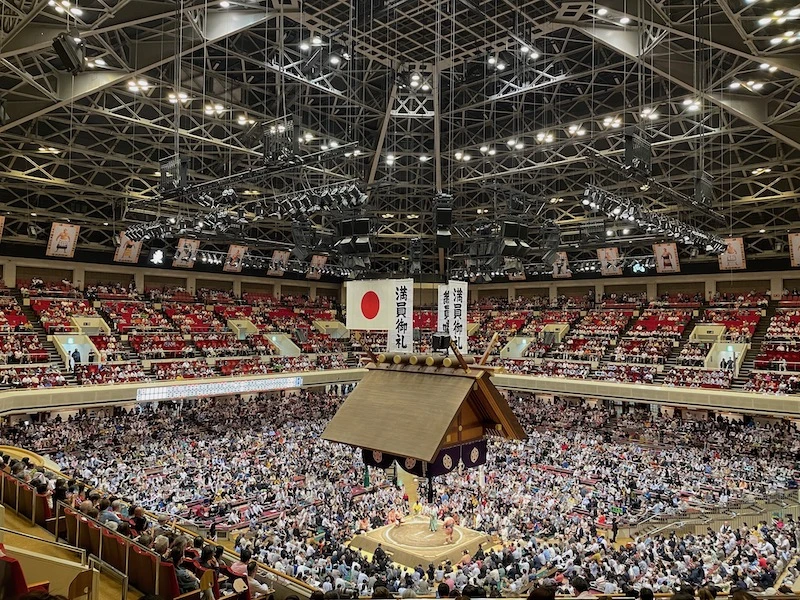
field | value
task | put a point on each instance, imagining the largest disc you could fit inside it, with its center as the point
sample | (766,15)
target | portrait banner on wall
(318,262)
(610,263)
(733,259)
(128,251)
(63,240)
(561,266)
(794,249)
(666,256)
(279,263)
(185,253)
(235,259)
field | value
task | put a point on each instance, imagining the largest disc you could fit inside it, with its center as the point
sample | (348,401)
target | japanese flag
(372,304)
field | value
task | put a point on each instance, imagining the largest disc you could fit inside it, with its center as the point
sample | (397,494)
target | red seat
(12,579)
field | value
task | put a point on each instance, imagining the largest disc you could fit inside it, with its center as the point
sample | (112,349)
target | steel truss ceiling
(591,75)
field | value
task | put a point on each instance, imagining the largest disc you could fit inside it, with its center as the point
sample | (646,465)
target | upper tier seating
(740,323)
(693,354)
(160,345)
(779,355)
(98,374)
(11,316)
(31,377)
(55,314)
(126,317)
(111,291)
(193,318)
(699,378)
(784,325)
(663,323)
(602,323)
(773,383)
(21,348)
(639,350)
(50,289)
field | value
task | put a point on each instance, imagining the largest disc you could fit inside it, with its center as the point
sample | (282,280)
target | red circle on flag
(370,305)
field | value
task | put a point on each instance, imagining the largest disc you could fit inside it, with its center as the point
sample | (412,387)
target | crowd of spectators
(625,373)
(784,325)
(699,378)
(752,299)
(160,345)
(550,499)
(773,383)
(582,348)
(55,314)
(109,347)
(134,316)
(21,349)
(639,350)
(661,323)
(779,356)
(740,324)
(193,318)
(111,291)
(98,374)
(693,354)
(32,377)
(37,286)
(11,316)
(182,369)
(602,323)
(220,344)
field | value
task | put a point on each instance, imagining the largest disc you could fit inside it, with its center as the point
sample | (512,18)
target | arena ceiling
(712,84)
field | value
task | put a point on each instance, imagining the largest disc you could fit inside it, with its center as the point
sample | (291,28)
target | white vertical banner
(444,309)
(458,313)
(401,335)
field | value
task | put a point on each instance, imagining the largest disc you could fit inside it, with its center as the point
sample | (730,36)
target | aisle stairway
(748,365)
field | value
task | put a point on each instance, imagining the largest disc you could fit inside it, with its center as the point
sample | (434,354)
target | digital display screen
(223,388)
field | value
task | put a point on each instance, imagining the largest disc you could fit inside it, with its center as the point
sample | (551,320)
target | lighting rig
(335,197)
(617,207)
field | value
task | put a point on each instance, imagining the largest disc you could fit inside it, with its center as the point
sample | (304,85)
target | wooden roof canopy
(416,410)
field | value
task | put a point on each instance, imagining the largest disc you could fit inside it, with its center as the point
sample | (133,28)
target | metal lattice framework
(574,77)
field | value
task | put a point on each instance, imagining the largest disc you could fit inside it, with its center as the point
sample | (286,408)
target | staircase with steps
(759,335)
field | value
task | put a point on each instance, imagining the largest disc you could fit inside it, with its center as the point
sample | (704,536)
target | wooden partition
(492,293)
(295,290)
(47,274)
(95,277)
(743,287)
(576,291)
(327,292)
(426,296)
(631,288)
(533,292)
(791,285)
(262,289)
(160,281)
(684,287)
(215,284)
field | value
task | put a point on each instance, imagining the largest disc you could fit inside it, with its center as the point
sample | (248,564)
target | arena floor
(413,543)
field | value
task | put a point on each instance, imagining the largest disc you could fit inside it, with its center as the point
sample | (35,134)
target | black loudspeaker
(346,228)
(510,229)
(69,52)
(440,342)
(550,257)
(509,247)
(361,227)
(444,216)
(443,239)
(3,113)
